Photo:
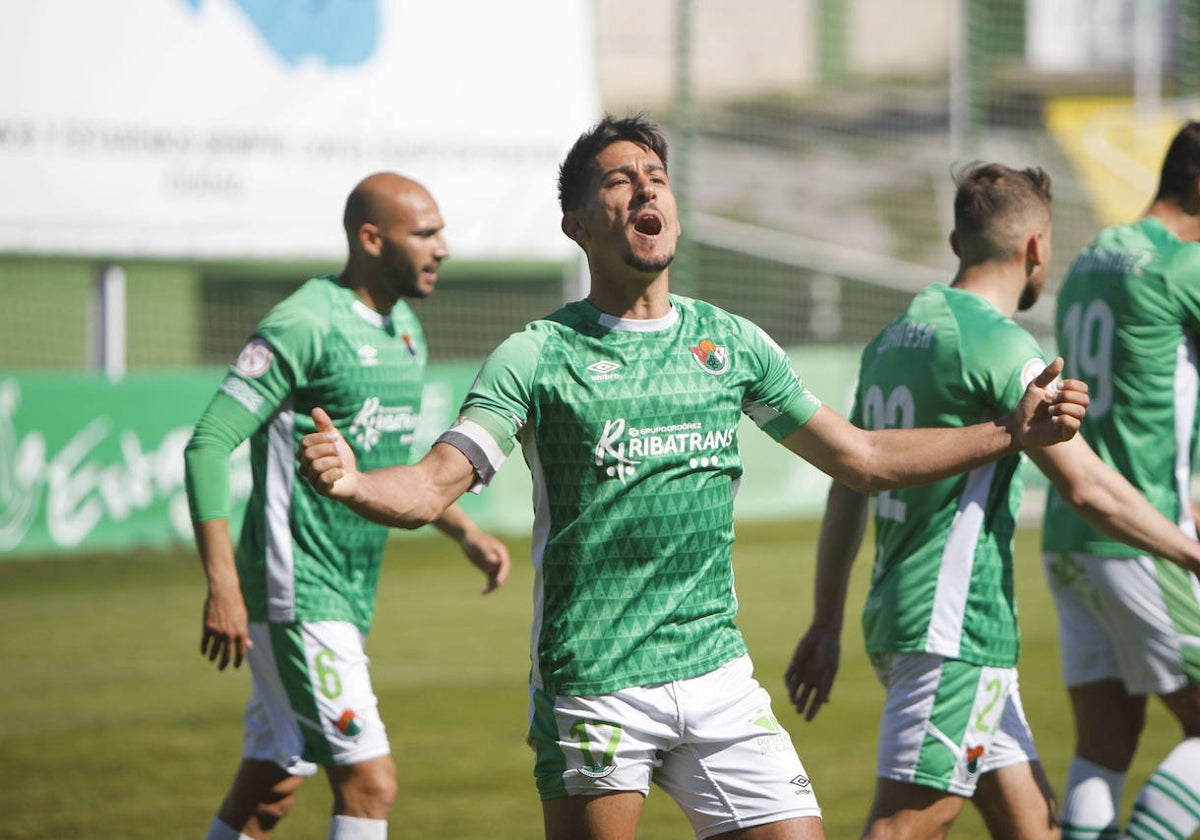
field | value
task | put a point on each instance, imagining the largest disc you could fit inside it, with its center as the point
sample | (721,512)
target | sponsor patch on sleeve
(240,390)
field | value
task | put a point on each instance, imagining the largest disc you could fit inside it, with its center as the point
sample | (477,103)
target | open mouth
(648,224)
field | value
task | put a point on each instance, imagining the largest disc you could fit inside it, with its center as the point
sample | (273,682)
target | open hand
(490,556)
(809,677)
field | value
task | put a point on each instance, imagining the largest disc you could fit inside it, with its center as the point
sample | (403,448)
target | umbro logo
(803,785)
(603,370)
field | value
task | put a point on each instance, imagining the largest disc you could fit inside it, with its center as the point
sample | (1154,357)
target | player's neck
(1178,221)
(631,297)
(999,285)
(374,297)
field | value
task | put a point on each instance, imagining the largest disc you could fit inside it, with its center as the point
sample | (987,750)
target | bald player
(296,598)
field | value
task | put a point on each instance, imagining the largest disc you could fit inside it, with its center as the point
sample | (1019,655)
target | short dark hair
(579,165)
(992,206)
(1181,166)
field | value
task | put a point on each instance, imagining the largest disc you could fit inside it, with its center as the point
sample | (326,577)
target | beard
(649,265)
(1029,296)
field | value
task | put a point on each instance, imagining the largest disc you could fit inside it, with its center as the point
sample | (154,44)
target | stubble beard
(1029,296)
(649,265)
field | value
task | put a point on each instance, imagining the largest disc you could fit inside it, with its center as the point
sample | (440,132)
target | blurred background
(170,170)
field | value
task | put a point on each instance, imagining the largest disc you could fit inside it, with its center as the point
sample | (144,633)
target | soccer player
(1128,321)
(626,406)
(940,621)
(298,601)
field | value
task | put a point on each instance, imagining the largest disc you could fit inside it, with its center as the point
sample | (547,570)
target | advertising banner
(234,129)
(91,465)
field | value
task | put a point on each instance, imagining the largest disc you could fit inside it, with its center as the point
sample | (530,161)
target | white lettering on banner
(81,487)
(21,471)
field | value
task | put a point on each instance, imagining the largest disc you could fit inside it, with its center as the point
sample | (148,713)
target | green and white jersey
(943,576)
(629,429)
(1127,321)
(300,556)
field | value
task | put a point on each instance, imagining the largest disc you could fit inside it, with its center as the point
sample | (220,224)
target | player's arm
(399,496)
(487,553)
(223,426)
(885,459)
(1109,503)
(809,676)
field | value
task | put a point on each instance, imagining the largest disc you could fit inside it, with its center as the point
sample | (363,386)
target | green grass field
(112,725)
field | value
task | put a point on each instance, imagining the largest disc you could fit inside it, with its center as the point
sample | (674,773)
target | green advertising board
(92,465)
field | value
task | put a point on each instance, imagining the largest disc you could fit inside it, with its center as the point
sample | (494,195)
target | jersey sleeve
(999,362)
(274,361)
(497,406)
(778,401)
(222,427)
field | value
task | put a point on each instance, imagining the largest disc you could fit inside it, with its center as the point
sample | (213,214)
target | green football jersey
(1127,321)
(300,556)
(629,429)
(943,574)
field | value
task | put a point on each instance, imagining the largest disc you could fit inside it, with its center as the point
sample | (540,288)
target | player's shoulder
(1158,248)
(1182,263)
(701,315)
(976,317)
(312,301)
(303,317)
(709,322)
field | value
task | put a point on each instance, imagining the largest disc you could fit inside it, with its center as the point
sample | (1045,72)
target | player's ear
(1037,248)
(573,227)
(370,239)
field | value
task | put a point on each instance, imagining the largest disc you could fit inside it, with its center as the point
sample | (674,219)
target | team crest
(597,771)
(973,756)
(711,358)
(348,724)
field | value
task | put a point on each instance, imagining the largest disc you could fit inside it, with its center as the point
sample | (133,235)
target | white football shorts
(945,722)
(311,701)
(1136,619)
(711,742)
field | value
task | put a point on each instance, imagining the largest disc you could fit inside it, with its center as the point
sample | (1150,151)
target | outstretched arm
(487,553)
(1109,503)
(885,459)
(809,677)
(401,496)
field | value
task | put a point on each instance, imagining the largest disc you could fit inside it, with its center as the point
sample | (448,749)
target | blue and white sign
(235,128)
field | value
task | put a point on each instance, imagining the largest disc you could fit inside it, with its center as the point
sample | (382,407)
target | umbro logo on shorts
(804,785)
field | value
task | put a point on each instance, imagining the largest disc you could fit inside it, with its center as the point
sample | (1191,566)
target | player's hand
(809,677)
(489,555)
(326,460)
(1051,411)
(226,633)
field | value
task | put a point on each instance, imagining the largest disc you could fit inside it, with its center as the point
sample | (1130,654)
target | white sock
(1169,803)
(1091,801)
(219,831)
(357,828)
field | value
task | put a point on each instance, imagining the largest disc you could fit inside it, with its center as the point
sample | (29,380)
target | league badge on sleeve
(255,358)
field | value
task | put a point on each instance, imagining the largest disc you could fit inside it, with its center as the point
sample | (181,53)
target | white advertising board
(233,129)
